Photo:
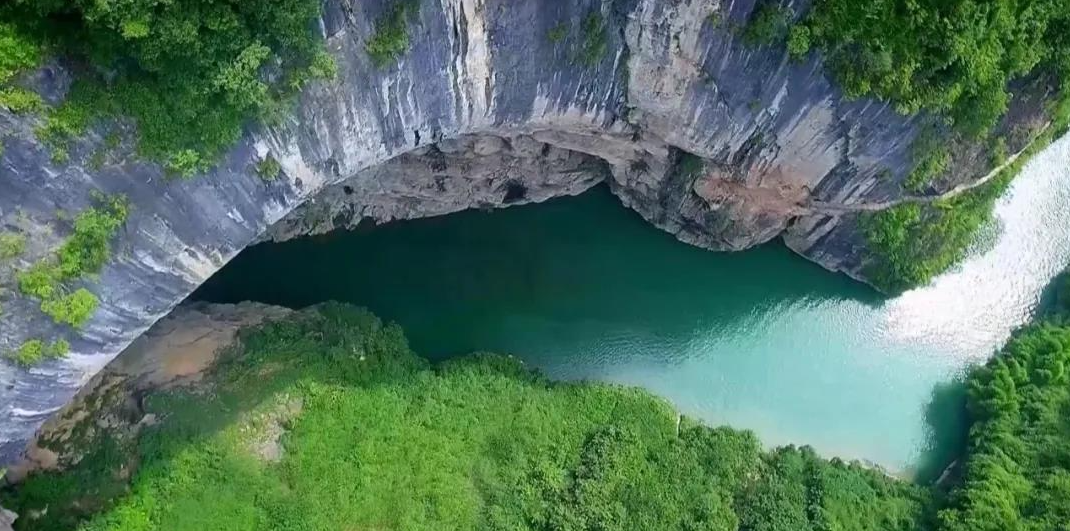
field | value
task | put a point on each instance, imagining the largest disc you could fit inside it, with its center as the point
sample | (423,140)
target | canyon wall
(724,145)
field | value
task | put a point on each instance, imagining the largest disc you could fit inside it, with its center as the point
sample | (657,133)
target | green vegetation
(20,101)
(72,118)
(327,420)
(83,253)
(268,169)
(35,351)
(391,38)
(594,44)
(557,33)
(997,151)
(768,24)
(12,245)
(1017,474)
(714,19)
(18,51)
(931,158)
(40,280)
(190,73)
(73,309)
(375,438)
(911,243)
(799,42)
(952,58)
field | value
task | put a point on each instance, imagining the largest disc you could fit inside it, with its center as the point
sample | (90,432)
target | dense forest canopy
(376,438)
(955,57)
(1017,472)
(327,419)
(190,72)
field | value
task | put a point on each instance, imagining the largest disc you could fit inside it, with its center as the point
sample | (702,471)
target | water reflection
(969,311)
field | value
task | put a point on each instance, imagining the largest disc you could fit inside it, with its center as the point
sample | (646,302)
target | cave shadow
(473,277)
(948,423)
(1055,298)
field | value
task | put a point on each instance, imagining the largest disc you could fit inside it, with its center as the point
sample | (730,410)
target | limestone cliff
(484,110)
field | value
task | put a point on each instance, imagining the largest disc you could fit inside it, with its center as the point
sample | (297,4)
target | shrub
(73,309)
(41,280)
(18,51)
(768,25)
(799,42)
(382,440)
(12,245)
(323,66)
(35,351)
(931,159)
(714,19)
(391,38)
(951,58)
(268,169)
(997,151)
(184,163)
(72,118)
(593,47)
(84,252)
(557,33)
(1017,475)
(909,244)
(20,101)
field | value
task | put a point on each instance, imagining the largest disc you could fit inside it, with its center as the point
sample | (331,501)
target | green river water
(584,289)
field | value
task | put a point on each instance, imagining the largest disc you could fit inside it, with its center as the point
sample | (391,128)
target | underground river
(583,288)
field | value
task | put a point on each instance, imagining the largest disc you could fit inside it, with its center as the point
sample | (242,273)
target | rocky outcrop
(7,519)
(484,110)
(177,351)
(471,171)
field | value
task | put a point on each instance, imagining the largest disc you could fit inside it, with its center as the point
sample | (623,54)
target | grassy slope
(384,441)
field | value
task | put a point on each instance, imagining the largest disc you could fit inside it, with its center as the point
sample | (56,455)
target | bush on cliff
(911,243)
(83,253)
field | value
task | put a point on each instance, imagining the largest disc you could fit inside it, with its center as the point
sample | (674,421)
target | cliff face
(484,110)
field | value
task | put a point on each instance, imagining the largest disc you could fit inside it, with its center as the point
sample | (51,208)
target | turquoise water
(584,289)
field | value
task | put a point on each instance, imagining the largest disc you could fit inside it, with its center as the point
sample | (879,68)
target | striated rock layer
(484,110)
